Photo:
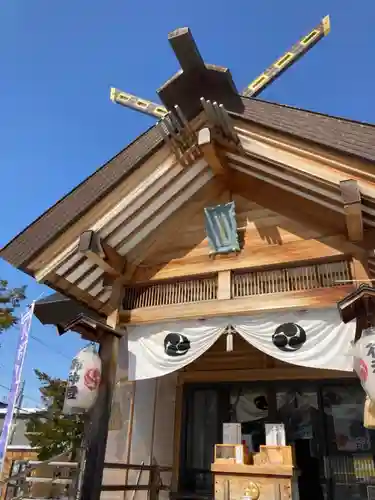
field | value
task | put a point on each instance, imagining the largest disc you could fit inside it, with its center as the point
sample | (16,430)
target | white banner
(315,339)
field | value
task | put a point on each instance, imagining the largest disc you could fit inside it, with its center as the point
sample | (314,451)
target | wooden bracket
(221,125)
(210,152)
(100,253)
(186,50)
(359,305)
(351,196)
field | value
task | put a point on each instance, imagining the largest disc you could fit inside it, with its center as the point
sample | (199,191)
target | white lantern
(363,352)
(83,382)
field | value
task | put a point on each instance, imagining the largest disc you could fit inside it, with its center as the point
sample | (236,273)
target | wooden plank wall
(145,436)
(244,356)
(163,439)
(246,363)
(184,249)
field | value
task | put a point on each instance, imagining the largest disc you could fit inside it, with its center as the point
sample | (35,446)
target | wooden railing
(154,481)
(49,479)
(243,284)
(309,277)
(167,293)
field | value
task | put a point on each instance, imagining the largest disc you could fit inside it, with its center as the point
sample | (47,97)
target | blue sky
(57,124)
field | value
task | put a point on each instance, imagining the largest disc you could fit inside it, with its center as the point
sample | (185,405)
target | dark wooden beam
(211,153)
(196,79)
(351,197)
(89,328)
(100,253)
(97,429)
(186,50)
(359,304)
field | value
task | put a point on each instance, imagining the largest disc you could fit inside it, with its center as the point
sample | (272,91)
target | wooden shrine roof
(337,134)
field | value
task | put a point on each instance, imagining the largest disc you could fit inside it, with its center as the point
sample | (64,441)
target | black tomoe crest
(261,403)
(289,337)
(176,344)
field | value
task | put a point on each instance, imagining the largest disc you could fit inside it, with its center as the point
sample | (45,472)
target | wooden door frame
(181,402)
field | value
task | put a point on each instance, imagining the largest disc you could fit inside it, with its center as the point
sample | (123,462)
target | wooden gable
(267,238)
(288,191)
(297,256)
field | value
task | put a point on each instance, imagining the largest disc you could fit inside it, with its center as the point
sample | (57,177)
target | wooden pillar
(99,420)
(224,285)
(360,270)
(100,415)
(177,436)
(360,273)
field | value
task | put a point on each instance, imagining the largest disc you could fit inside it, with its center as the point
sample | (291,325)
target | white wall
(143,410)
(163,445)
(117,449)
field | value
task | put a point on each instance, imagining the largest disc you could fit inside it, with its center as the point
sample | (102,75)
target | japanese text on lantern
(371,353)
(73,379)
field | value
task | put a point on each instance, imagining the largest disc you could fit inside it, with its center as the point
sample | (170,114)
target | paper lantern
(363,352)
(83,382)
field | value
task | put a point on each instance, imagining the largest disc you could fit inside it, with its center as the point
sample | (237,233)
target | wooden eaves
(336,174)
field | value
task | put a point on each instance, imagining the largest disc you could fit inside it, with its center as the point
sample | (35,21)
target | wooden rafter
(101,254)
(281,165)
(290,205)
(211,153)
(351,197)
(206,194)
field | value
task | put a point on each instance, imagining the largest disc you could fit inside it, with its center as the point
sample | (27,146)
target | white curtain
(158,349)
(315,338)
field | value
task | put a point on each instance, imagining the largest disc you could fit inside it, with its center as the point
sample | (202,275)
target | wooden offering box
(231,454)
(270,477)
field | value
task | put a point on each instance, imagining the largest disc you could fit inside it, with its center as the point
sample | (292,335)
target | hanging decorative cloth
(315,339)
(155,350)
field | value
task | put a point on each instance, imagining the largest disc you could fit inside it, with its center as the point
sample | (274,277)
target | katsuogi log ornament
(83,382)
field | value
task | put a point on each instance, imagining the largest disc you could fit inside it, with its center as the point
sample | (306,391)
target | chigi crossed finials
(199,85)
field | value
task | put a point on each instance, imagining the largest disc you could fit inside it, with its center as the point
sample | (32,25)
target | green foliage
(10,299)
(52,432)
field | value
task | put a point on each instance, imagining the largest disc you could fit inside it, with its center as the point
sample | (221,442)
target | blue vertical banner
(25,324)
